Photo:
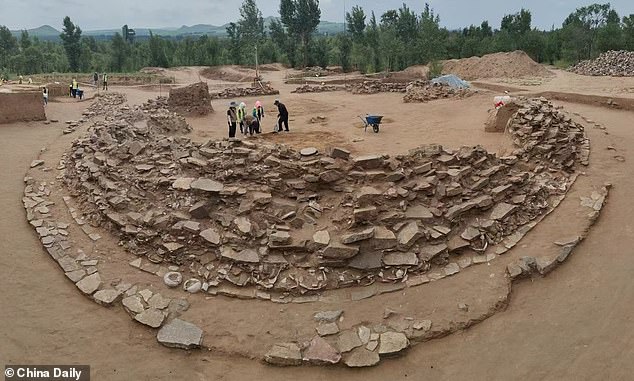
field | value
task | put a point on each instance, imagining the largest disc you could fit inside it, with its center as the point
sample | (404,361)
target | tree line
(392,41)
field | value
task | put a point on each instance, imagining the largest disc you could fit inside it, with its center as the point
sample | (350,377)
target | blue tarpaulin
(452,80)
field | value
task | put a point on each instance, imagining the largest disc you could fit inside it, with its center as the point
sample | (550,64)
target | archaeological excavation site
(330,245)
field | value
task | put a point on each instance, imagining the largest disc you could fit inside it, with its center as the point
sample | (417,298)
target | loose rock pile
(191,100)
(284,222)
(424,91)
(375,87)
(613,63)
(241,92)
(317,88)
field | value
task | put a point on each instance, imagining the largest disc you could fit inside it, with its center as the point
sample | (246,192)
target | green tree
(71,36)
(8,46)
(158,58)
(287,44)
(251,26)
(301,18)
(25,41)
(235,38)
(356,23)
(516,26)
(628,32)
(119,53)
(581,29)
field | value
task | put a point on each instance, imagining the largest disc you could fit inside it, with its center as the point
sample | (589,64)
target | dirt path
(575,324)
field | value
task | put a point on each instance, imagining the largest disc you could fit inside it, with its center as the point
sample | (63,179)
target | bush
(435,70)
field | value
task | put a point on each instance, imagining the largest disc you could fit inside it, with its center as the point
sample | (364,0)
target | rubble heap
(243,214)
(422,91)
(375,87)
(616,63)
(241,92)
(317,88)
(191,100)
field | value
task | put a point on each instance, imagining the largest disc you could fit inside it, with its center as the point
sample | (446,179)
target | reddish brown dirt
(21,107)
(575,324)
(498,65)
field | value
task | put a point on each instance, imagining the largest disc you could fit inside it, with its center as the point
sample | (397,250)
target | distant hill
(47,32)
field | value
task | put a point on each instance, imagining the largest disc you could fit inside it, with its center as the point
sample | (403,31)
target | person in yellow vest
(20,79)
(75,87)
(105,81)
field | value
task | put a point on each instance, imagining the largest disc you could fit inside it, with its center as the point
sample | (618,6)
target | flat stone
(400,259)
(180,334)
(330,176)
(457,243)
(419,212)
(322,238)
(68,264)
(284,354)
(452,269)
(357,236)
(37,163)
(409,235)
(280,238)
(367,195)
(247,256)
(172,246)
(502,210)
(429,252)
(183,184)
(365,214)
(392,343)
(133,304)
(367,260)
(364,334)
(320,352)
(339,251)
(328,316)
(310,151)
(211,236)
(368,161)
(383,239)
(327,329)
(243,224)
(107,297)
(76,276)
(207,185)
(339,153)
(361,358)
(151,317)
(348,340)
(191,226)
(89,284)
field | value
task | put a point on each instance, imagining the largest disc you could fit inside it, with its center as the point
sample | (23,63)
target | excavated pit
(24,106)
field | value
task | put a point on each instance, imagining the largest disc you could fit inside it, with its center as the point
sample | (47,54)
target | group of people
(237,115)
(104,80)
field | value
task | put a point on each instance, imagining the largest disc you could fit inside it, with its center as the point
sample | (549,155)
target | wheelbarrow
(371,120)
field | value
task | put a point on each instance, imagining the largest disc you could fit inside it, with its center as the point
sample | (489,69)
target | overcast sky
(90,15)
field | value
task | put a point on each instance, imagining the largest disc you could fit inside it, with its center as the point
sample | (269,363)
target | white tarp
(452,80)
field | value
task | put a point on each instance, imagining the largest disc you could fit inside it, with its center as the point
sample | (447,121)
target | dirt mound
(424,91)
(229,73)
(613,63)
(191,100)
(515,64)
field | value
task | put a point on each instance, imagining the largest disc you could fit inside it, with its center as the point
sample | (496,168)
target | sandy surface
(574,324)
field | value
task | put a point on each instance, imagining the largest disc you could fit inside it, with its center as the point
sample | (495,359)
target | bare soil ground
(574,324)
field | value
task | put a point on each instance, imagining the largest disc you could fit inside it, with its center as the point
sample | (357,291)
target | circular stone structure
(258,221)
